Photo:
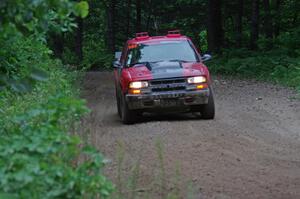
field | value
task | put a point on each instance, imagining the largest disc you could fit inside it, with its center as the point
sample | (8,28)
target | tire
(127,116)
(208,110)
(118,103)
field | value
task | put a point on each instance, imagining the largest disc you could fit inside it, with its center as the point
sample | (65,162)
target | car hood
(163,70)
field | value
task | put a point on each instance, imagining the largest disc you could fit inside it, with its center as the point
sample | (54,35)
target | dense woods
(45,45)
(258,38)
(255,25)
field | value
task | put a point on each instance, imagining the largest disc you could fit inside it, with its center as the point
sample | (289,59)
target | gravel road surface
(251,149)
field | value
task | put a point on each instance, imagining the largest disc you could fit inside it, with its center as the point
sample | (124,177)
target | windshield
(162,51)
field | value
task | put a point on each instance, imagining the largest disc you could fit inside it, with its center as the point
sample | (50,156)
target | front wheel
(127,116)
(208,110)
(118,103)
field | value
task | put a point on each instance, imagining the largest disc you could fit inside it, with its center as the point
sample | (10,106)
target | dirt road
(251,149)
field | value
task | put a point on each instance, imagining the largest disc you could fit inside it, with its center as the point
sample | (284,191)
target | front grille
(168,81)
(174,84)
(168,89)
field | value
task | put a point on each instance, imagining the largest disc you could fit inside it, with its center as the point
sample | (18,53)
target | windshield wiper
(178,60)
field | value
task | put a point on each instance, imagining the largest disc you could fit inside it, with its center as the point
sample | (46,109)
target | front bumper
(167,99)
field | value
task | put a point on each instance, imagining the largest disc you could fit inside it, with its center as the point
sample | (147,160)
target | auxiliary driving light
(135,91)
(201,86)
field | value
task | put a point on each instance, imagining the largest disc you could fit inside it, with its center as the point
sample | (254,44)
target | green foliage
(95,54)
(281,64)
(69,57)
(82,9)
(35,17)
(111,23)
(20,66)
(38,157)
(23,18)
(203,41)
(289,42)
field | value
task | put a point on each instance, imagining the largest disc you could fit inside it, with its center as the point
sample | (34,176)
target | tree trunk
(267,20)
(128,17)
(277,18)
(79,39)
(149,15)
(214,26)
(254,24)
(111,25)
(296,12)
(138,16)
(58,44)
(239,26)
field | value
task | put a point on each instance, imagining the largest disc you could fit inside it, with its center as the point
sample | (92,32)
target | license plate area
(170,102)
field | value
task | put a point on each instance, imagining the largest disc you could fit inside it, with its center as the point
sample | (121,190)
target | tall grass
(160,186)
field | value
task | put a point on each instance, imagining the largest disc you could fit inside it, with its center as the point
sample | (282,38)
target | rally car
(162,73)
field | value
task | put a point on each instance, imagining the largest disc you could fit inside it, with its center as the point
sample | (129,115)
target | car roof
(145,38)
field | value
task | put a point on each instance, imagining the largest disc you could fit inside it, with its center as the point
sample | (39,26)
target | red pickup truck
(162,73)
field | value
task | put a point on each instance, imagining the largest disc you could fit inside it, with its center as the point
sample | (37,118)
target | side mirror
(116,64)
(118,55)
(206,57)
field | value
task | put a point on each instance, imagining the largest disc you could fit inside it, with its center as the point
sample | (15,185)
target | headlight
(196,80)
(140,84)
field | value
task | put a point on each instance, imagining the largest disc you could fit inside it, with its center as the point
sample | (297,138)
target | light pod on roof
(174,33)
(141,36)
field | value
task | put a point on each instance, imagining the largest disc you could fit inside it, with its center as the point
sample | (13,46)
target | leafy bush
(203,41)
(22,19)
(281,64)
(95,53)
(281,69)
(38,157)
